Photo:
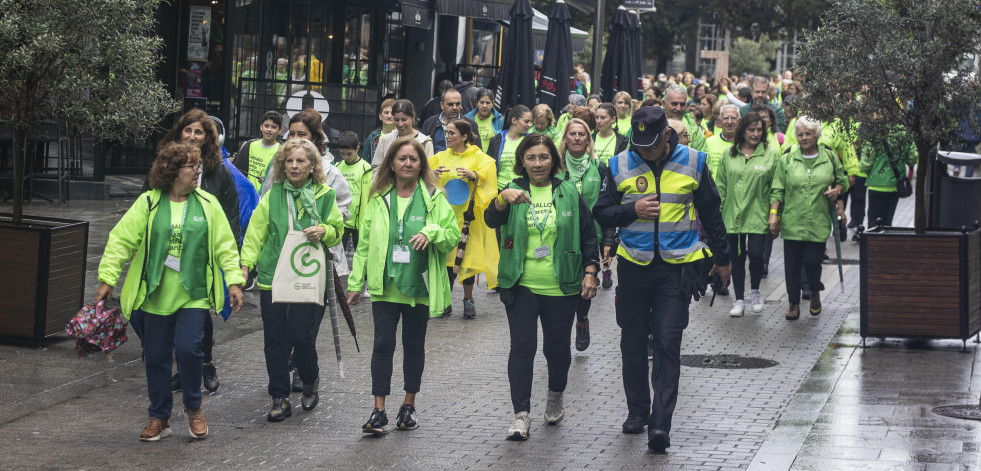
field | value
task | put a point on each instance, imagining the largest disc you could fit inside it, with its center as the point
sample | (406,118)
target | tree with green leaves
(90,63)
(752,57)
(895,63)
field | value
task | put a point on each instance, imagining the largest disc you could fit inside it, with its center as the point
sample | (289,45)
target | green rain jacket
(695,133)
(875,162)
(440,229)
(130,240)
(804,210)
(745,188)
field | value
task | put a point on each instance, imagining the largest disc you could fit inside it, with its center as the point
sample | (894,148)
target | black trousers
(746,245)
(802,256)
(386,318)
(857,194)
(524,309)
(882,205)
(582,308)
(285,325)
(651,300)
(767,249)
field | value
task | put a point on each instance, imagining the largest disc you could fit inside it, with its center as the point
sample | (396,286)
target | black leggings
(882,205)
(386,316)
(524,308)
(857,194)
(466,282)
(746,245)
(798,254)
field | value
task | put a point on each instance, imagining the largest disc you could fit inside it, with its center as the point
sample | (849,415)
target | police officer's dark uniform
(659,262)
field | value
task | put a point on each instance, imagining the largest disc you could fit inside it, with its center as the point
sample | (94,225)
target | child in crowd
(254,156)
(357,172)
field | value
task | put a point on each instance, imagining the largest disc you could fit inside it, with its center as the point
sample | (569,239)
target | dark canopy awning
(489,9)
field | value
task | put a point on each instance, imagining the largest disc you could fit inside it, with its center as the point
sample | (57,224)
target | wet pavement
(828,404)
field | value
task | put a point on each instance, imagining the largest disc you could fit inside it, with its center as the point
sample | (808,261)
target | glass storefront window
(486,41)
(357,46)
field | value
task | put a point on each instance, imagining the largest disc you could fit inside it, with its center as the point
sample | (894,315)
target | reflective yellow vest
(676,229)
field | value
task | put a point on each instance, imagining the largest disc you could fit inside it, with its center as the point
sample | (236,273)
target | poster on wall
(195,81)
(199,34)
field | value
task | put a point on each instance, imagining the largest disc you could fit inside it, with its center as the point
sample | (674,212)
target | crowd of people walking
(655,196)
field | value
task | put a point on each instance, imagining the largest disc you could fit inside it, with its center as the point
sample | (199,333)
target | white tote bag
(301,274)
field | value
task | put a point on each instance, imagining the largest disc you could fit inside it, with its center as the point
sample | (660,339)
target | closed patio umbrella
(618,72)
(554,85)
(516,80)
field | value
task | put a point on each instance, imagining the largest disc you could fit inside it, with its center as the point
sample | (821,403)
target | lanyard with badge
(542,250)
(172,262)
(400,252)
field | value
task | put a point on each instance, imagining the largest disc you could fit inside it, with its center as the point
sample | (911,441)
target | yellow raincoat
(482,253)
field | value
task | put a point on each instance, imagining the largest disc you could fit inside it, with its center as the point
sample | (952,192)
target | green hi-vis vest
(409,277)
(566,255)
(194,247)
(675,233)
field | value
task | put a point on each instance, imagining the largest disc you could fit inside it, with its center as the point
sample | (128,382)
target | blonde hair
(310,152)
(385,176)
(678,126)
(563,147)
(542,109)
(624,95)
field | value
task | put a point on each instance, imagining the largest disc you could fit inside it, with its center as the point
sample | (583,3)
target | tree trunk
(20,160)
(927,152)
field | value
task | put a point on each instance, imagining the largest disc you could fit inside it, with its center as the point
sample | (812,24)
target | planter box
(42,268)
(915,285)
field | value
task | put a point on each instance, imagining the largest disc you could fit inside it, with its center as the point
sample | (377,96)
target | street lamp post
(597,46)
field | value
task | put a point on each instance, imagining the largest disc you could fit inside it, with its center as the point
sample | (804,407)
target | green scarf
(306,197)
(577,166)
(408,276)
(194,247)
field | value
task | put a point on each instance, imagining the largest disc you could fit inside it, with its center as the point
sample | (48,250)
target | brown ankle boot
(155,430)
(196,423)
(815,303)
(794,312)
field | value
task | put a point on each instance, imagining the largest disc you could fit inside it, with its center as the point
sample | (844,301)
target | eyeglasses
(194,167)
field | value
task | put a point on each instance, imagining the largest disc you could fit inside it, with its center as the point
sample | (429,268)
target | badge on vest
(400,254)
(641,184)
(173,263)
(542,252)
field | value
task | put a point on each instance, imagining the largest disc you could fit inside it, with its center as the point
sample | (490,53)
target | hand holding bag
(301,274)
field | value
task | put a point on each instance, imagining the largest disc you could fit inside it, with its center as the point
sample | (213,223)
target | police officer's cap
(647,126)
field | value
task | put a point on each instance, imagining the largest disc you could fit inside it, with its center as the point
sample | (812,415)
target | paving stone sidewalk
(57,411)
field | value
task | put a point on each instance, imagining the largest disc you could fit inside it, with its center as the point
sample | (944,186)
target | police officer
(651,193)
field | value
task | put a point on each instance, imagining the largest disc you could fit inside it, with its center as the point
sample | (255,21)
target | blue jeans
(181,333)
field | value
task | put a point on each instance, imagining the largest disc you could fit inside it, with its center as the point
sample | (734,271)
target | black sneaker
(853,224)
(582,335)
(211,378)
(406,419)
(607,279)
(766,270)
(377,423)
(281,409)
(856,237)
(297,385)
(175,382)
(446,312)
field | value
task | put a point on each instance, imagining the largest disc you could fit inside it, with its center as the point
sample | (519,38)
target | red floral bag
(96,329)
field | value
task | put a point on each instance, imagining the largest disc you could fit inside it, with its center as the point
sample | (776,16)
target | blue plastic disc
(457,192)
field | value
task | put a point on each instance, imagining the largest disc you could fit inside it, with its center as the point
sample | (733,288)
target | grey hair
(809,124)
(725,107)
(577,100)
(676,89)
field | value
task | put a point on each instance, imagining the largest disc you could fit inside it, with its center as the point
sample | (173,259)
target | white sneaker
(519,427)
(737,309)
(364,292)
(554,412)
(757,302)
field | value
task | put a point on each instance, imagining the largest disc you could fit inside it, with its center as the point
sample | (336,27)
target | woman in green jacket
(583,169)
(406,232)
(179,240)
(744,181)
(298,198)
(805,187)
(549,259)
(884,164)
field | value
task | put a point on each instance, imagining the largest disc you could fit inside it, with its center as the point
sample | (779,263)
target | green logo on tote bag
(304,262)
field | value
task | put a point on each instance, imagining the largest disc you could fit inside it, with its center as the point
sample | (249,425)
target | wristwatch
(595,274)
